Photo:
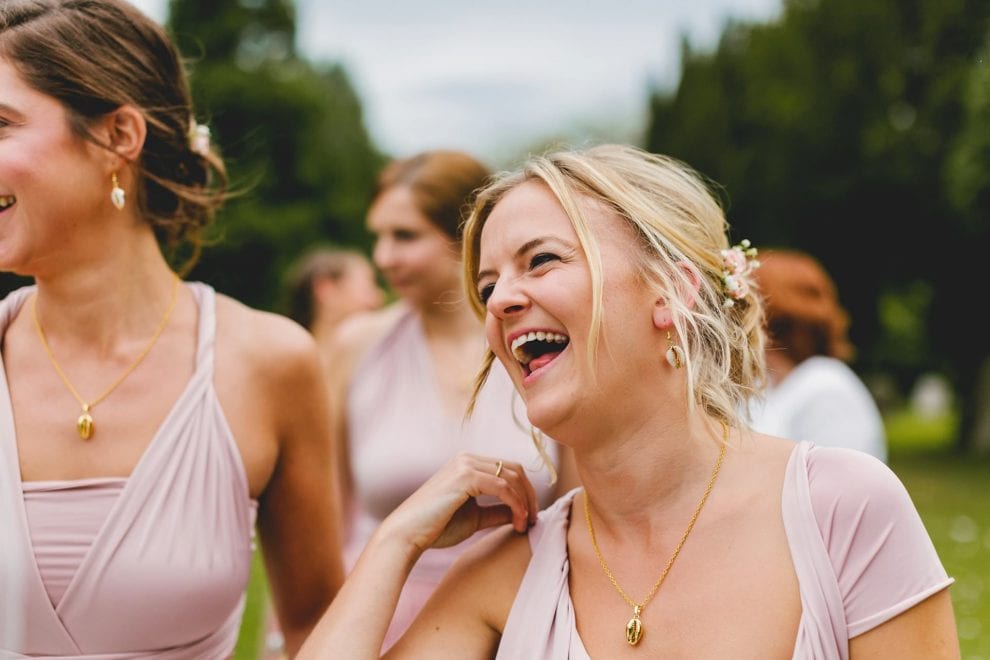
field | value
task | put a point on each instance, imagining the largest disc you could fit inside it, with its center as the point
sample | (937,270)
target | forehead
(396,206)
(532,210)
(13,89)
(16,96)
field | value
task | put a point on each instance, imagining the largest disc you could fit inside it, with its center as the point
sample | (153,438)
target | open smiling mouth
(536,350)
(6,201)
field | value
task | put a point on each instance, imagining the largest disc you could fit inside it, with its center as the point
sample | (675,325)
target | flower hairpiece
(199,138)
(738,262)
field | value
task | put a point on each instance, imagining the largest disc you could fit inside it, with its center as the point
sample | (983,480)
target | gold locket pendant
(634,629)
(85,425)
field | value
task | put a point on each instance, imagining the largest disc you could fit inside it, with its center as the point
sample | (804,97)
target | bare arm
(441,513)
(927,631)
(299,520)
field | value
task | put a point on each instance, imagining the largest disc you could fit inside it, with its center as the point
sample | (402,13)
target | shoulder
(821,373)
(882,557)
(852,482)
(357,334)
(494,566)
(367,328)
(269,343)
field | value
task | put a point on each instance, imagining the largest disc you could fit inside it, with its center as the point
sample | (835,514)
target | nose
(507,299)
(381,254)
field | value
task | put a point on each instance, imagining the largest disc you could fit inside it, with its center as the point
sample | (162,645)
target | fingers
(528,492)
(494,516)
(508,482)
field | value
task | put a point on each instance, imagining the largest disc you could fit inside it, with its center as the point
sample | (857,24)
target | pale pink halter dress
(860,550)
(165,571)
(399,435)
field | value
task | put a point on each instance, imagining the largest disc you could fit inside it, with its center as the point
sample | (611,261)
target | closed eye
(485,293)
(542,258)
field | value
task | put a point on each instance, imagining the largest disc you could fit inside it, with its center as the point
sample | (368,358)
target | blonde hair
(681,230)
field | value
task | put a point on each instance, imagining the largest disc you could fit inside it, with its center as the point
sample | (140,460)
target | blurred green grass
(952,494)
(251,640)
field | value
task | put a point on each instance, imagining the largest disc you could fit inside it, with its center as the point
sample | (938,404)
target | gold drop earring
(117,194)
(675,354)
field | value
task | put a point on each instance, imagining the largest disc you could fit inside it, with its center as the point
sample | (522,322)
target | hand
(444,511)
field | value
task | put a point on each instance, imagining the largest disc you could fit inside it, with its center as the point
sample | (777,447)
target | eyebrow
(523,249)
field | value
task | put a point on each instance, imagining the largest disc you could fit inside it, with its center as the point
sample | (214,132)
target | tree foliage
(857,131)
(292,133)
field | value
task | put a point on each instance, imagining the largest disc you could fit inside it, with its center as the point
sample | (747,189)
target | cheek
(493,334)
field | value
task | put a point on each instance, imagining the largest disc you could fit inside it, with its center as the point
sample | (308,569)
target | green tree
(292,134)
(967,177)
(830,130)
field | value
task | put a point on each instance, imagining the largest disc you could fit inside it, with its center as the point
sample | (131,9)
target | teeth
(7,200)
(519,341)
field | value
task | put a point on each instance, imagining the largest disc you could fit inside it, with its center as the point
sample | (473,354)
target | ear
(686,285)
(125,131)
(325,289)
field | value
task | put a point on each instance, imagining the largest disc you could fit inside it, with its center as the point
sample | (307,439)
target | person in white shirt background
(812,393)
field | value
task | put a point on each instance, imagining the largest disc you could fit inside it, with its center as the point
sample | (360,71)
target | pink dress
(399,435)
(860,551)
(151,566)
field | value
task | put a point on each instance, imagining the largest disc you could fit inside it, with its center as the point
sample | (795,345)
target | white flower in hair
(199,138)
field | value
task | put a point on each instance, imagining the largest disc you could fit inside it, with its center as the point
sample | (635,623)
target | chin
(553,418)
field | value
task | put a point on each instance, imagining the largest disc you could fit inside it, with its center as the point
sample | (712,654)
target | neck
(642,475)
(449,318)
(118,297)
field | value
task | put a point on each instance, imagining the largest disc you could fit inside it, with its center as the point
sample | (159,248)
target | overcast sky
(495,78)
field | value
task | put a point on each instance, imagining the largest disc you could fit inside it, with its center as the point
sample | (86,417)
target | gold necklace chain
(634,628)
(84,424)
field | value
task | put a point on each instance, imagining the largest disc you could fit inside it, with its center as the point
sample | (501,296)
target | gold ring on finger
(498,469)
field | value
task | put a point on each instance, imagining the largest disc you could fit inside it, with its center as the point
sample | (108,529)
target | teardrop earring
(675,354)
(117,195)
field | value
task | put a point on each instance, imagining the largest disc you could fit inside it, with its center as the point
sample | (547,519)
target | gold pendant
(634,629)
(85,424)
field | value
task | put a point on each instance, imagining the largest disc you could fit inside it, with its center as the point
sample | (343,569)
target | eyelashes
(537,260)
(541,258)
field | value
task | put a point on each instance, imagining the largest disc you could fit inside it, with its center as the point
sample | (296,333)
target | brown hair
(94,56)
(442,183)
(803,314)
(317,264)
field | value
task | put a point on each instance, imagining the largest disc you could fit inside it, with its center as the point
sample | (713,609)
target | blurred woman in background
(401,378)
(326,285)
(811,392)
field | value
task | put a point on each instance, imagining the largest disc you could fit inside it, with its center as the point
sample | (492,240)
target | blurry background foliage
(292,135)
(860,131)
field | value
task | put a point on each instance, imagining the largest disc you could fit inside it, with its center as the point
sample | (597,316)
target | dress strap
(207,327)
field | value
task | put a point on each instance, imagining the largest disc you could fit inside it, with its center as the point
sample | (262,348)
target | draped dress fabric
(166,572)
(400,434)
(860,552)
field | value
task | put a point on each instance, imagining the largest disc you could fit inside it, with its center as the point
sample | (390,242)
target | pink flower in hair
(737,264)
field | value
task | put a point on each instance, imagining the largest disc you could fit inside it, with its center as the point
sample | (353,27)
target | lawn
(953,496)
(951,493)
